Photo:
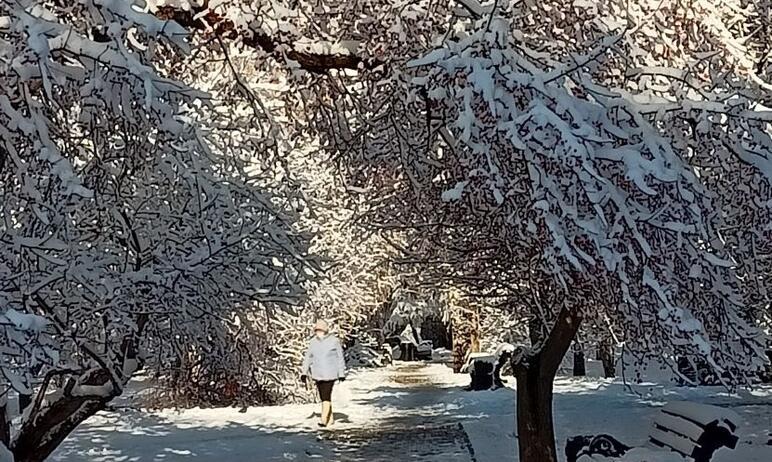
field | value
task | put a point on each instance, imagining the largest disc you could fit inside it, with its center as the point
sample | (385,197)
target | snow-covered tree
(129,228)
(533,170)
(235,64)
(579,160)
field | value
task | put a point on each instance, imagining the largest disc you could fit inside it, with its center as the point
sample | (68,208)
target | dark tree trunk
(5,428)
(24,401)
(535,431)
(606,356)
(580,369)
(50,424)
(41,436)
(535,376)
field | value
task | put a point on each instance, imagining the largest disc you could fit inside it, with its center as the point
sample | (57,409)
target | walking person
(324,363)
(408,343)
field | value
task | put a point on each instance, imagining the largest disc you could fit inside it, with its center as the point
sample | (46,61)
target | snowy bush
(370,355)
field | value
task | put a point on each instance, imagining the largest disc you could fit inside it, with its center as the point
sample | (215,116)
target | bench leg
(575,445)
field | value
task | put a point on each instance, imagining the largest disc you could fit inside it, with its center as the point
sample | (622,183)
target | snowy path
(405,412)
(417,429)
(380,415)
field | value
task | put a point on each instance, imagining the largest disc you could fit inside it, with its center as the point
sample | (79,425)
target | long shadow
(407,399)
(338,417)
(133,436)
(434,406)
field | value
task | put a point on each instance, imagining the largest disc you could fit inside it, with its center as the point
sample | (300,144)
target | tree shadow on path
(135,436)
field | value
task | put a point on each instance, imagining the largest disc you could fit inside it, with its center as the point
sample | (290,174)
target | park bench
(695,431)
(485,368)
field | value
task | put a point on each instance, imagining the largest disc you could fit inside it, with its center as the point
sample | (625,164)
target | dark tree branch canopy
(211,22)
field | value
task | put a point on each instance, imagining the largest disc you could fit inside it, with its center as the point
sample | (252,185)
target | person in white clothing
(325,364)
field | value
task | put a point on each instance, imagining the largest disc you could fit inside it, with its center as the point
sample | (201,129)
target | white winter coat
(324,359)
(407,336)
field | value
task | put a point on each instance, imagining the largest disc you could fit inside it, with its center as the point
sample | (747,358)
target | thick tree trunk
(41,436)
(24,401)
(5,427)
(50,423)
(535,432)
(535,376)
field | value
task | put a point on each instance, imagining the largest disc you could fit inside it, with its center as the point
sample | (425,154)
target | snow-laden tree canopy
(581,161)
(570,159)
(584,185)
(563,150)
(129,228)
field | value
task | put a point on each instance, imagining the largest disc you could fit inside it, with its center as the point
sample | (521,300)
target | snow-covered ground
(420,396)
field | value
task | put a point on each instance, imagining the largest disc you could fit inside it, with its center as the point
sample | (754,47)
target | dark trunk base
(536,437)
(535,375)
(39,438)
(580,369)
(606,356)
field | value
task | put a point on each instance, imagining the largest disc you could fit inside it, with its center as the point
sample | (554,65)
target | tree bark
(24,401)
(43,435)
(51,423)
(535,375)
(5,427)
(535,429)
(580,368)
(606,356)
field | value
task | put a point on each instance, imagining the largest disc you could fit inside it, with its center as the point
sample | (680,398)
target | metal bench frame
(693,431)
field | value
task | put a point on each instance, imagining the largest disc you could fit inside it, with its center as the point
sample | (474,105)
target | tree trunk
(5,427)
(535,432)
(474,337)
(24,401)
(49,424)
(580,369)
(41,436)
(535,375)
(466,335)
(606,356)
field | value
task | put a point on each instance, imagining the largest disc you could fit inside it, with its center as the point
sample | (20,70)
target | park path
(407,411)
(404,412)
(410,421)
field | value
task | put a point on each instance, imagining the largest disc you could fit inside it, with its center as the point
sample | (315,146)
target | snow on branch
(132,231)
(581,172)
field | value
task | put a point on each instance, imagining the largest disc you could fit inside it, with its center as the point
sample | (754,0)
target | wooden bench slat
(678,425)
(674,441)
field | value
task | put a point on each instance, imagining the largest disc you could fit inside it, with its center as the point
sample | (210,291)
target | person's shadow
(338,417)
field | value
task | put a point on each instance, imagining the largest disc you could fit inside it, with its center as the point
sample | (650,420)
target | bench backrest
(695,430)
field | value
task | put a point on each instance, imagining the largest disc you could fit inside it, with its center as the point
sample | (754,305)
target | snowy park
(413,411)
(380,230)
